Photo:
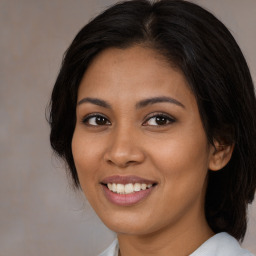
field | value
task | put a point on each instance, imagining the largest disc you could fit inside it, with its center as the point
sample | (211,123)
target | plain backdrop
(40,214)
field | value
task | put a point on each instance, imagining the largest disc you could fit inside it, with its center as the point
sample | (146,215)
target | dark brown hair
(197,43)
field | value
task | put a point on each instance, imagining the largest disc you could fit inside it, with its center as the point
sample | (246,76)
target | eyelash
(167,118)
(94,115)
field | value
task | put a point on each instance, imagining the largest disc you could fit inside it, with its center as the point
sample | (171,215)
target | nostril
(122,163)
(123,154)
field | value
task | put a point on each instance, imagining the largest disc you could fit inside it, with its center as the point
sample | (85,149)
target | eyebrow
(155,100)
(98,102)
(140,104)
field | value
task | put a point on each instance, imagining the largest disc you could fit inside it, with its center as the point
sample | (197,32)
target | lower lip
(126,199)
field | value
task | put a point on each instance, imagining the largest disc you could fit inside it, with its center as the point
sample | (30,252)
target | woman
(154,112)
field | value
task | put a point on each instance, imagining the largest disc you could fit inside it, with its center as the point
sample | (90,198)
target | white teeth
(143,186)
(127,188)
(114,188)
(120,188)
(136,187)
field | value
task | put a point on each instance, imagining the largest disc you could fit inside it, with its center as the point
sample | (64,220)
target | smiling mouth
(128,188)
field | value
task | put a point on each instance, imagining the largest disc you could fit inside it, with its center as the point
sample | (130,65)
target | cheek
(86,153)
(180,153)
(182,160)
(184,178)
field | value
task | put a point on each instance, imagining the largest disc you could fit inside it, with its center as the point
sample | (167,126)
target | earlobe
(220,156)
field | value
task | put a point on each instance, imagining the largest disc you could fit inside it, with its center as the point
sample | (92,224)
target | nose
(124,149)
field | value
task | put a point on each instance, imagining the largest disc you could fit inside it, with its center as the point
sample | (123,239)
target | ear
(220,155)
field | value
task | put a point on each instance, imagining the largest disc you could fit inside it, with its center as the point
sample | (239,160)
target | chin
(131,223)
(126,223)
(129,229)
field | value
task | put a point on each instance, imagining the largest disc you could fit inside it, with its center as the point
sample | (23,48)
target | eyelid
(170,118)
(87,117)
(162,114)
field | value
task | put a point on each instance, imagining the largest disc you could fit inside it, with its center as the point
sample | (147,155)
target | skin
(130,141)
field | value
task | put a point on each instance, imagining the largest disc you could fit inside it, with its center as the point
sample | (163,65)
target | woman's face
(139,132)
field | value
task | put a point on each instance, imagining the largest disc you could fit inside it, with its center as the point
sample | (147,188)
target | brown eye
(96,120)
(159,120)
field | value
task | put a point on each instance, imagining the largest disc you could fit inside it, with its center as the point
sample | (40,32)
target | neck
(180,239)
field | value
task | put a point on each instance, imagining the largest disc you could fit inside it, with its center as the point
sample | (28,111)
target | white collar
(221,244)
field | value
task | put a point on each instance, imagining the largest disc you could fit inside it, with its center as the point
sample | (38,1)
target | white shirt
(221,244)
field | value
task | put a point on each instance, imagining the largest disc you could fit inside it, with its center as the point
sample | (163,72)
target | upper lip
(126,180)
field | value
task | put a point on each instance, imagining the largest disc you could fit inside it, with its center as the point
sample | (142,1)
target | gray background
(40,214)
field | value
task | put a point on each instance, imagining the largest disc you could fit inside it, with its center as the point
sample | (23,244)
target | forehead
(134,72)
